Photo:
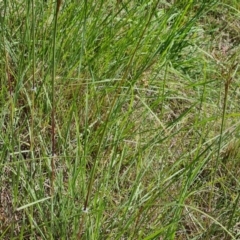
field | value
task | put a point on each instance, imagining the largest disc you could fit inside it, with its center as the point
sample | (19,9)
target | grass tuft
(120,119)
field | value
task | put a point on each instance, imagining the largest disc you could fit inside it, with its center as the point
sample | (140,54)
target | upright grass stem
(33,82)
(58,4)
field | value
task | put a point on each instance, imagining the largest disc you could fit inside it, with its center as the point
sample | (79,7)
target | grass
(120,119)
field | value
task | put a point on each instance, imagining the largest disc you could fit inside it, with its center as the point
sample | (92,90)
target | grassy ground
(120,119)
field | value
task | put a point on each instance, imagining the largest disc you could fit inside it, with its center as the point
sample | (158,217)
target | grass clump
(119,120)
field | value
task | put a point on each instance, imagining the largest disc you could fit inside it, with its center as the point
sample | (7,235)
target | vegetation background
(120,119)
